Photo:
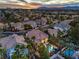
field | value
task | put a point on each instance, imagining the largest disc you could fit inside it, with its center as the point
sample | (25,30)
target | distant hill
(71,6)
(64,6)
(60,7)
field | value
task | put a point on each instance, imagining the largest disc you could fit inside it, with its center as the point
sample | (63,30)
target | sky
(40,1)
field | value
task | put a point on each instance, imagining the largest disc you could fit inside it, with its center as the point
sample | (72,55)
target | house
(41,21)
(74,16)
(32,23)
(1,25)
(6,25)
(40,37)
(12,41)
(56,56)
(55,21)
(53,32)
(26,19)
(18,25)
(63,26)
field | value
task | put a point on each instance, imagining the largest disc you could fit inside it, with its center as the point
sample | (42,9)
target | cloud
(53,1)
(40,1)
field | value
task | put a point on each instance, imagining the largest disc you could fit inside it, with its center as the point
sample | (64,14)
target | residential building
(1,25)
(32,23)
(18,25)
(41,21)
(26,19)
(40,37)
(63,26)
(11,41)
(53,32)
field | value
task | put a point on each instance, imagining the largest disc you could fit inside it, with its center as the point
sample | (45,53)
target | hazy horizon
(34,4)
(40,1)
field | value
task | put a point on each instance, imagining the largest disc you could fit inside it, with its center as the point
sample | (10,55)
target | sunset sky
(40,1)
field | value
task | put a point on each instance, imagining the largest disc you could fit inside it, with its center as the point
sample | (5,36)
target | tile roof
(39,35)
(11,41)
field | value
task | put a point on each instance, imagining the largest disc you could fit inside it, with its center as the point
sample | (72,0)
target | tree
(74,33)
(2,53)
(72,39)
(33,38)
(43,52)
(10,18)
(18,54)
(27,26)
(49,21)
(62,18)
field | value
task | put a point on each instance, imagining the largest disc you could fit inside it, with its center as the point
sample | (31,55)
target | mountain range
(71,6)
